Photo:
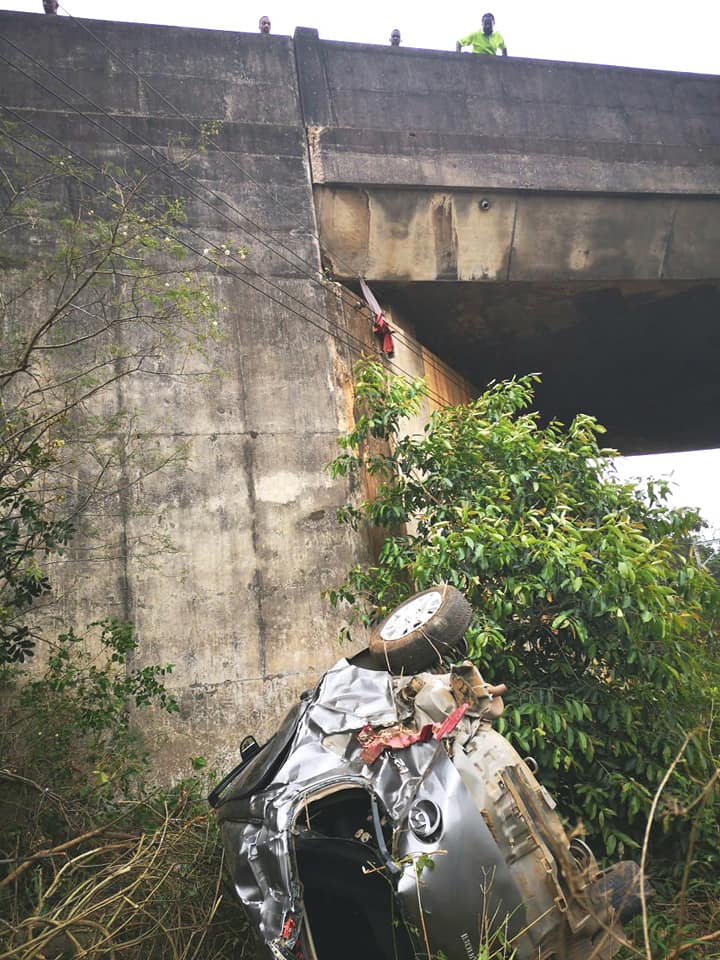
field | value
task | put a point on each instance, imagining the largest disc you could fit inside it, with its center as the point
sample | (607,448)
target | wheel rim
(411,616)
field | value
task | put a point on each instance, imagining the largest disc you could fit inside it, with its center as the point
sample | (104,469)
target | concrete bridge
(514,215)
(526,215)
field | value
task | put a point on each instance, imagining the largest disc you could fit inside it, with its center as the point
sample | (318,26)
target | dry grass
(110,893)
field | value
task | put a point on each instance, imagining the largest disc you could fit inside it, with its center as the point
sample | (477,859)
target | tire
(425,628)
(621,886)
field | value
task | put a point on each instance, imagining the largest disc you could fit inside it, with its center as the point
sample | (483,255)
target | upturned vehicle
(388,820)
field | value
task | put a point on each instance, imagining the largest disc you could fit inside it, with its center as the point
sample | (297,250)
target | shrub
(588,599)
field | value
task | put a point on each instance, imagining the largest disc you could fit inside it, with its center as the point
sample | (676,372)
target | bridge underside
(640,356)
(615,300)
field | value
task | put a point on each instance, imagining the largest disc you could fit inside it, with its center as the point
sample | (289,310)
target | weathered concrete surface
(614,299)
(235,604)
(234,601)
(426,118)
(423,235)
(528,215)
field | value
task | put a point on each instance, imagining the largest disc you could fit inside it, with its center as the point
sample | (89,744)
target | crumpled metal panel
(325,750)
(257,839)
(484,894)
(338,707)
(444,797)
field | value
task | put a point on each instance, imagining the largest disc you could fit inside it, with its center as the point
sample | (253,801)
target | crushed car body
(388,819)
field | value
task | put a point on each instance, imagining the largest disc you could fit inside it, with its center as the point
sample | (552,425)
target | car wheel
(621,885)
(421,631)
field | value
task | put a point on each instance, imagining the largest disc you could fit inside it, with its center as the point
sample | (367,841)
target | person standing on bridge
(395,38)
(264,25)
(487,40)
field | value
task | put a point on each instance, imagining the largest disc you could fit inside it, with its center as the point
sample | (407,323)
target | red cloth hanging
(380,326)
(384,334)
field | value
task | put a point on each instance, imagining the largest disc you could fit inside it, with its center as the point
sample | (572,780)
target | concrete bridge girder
(614,299)
(426,235)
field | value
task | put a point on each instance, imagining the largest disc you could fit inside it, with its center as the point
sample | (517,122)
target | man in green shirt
(487,40)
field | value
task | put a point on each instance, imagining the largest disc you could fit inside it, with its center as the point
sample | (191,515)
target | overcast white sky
(695,478)
(638,33)
(656,34)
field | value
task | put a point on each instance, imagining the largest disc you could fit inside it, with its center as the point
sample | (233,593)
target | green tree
(585,600)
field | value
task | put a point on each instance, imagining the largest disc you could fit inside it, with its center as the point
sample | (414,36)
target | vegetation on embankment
(591,601)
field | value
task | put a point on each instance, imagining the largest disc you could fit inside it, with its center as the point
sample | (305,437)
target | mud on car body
(388,819)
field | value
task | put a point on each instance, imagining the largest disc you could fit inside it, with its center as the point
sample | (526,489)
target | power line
(175,109)
(399,334)
(360,346)
(167,161)
(351,342)
(452,377)
(167,232)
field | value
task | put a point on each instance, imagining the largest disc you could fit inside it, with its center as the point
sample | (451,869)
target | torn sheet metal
(391,770)
(337,707)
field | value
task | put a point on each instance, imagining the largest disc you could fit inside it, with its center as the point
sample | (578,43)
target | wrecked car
(388,819)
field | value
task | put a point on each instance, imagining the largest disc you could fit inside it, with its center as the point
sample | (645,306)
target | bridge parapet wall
(400,117)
